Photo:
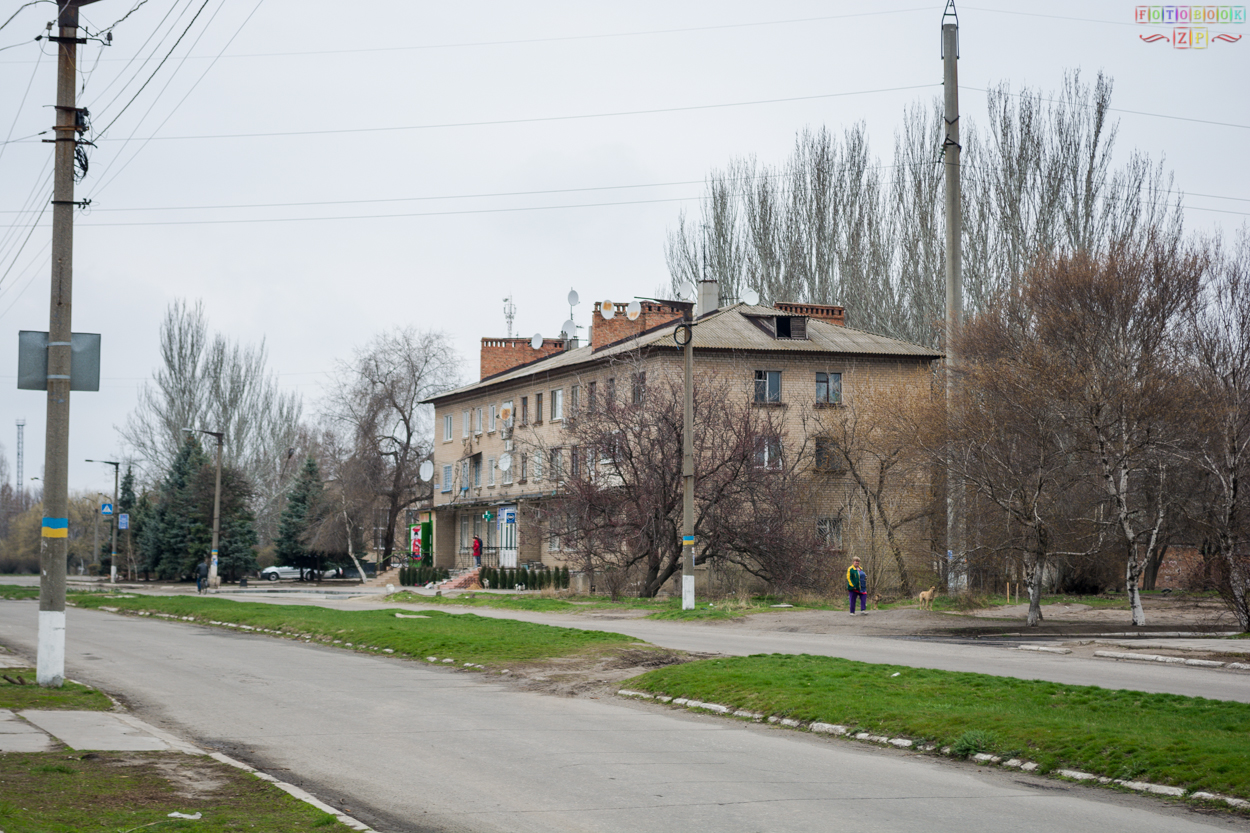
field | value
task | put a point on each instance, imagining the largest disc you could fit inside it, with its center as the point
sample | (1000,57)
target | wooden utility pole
(54,541)
(957,572)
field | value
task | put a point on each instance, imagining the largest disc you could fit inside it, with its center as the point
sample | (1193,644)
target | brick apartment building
(798,357)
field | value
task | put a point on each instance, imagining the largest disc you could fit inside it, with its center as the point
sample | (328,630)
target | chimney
(502,354)
(822,312)
(709,297)
(609,331)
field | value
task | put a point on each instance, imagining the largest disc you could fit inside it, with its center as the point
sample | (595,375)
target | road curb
(981,758)
(1200,663)
(296,792)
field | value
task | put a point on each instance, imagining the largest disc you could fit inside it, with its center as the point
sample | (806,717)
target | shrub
(972,742)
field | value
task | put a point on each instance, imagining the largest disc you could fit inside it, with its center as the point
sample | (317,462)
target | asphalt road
(840,635)
(409,748)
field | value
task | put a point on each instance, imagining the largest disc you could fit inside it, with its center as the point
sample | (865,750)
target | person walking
(477,551)
(857,586)
(201,577)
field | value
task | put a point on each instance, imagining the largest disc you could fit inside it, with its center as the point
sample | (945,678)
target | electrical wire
(18,114)
(19,10)
(185,96)
(1121,110)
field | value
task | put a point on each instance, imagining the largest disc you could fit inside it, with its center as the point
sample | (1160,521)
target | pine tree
(173,530)
(298,514)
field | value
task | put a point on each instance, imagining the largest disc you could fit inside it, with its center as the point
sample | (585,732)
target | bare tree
(213,383)
(1219,345)
(1112,327)
(346,507)
(834,224)
(377,398)
(621,505)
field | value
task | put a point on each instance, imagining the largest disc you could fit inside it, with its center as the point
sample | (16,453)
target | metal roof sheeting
(726,329)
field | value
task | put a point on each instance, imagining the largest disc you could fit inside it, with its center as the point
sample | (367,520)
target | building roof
(729,328)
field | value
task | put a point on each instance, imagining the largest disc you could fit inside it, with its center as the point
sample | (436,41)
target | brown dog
(926,598)
(876,601)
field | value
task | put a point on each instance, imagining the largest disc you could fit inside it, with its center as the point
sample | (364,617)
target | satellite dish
(633,310)
(427,470)
(573,298)
(537,341)
(687,291)
(569,329)
(750,296)
(505,462)
(608,310)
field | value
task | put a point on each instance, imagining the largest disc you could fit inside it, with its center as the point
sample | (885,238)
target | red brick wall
(825,312)
(609,332)
(500,354)
(1179,569)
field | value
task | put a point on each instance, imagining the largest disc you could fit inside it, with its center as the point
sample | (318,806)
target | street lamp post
(112,519)
(212,564)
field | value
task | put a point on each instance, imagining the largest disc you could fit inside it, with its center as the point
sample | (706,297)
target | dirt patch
(595,674)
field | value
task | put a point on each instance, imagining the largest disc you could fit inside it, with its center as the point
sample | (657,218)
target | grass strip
(17,695)
(18,592)
(1187,742)
(463,637)
(69,792)
(661,608)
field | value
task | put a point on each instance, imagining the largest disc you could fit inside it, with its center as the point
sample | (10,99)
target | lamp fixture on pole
(112,518)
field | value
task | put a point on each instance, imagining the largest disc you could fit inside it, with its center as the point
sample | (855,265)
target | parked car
(275,573)
(371,570)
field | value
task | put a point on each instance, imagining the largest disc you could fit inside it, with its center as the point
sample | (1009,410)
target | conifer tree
(298,515)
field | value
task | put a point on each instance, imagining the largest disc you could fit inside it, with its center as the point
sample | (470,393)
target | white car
(275,573)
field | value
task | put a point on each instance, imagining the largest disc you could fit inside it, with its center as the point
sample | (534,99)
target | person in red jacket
(477,551)
(857,586)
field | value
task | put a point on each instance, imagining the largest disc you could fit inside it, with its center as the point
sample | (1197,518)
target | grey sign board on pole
(32,361)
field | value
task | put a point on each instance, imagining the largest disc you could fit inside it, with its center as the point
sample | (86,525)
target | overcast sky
(417,124)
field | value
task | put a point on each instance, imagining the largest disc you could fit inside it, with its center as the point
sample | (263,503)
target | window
(477,425)
(591,404)
(536,465)
(477,469)
(574,459)
(525,410)
(507,415)
(464,475)
(447,428)
(521,475)
(466,423)
(639,388)
(490,471)
(767,386)
(557,404)
(768,452)
(538,408)
(466,535)
(829,530)
(609,394)
(828,388)
(557,465)
(494,412)
(788,326)
(447,478)
(575,395)
(507,475)
(827,456)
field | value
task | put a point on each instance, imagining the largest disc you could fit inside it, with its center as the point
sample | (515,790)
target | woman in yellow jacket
(857,586)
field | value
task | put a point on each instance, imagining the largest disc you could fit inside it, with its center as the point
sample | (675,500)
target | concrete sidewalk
(35,730)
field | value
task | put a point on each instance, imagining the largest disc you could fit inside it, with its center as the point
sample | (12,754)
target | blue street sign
(106,509)
(123,521)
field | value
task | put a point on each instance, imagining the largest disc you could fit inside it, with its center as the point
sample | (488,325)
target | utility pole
(213,582)
(54,540)
(686,331)
(957,574)
(112,519)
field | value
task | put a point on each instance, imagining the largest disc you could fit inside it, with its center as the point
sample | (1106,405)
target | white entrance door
(507,536)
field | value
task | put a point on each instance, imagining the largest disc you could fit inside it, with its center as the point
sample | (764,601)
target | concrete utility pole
(54,540)
(112,519)
(957,574)
(212,564)
(686,331)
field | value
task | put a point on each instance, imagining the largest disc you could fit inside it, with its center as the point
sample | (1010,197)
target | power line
(18,114)
(537,119)
(559,39)
(1120,110)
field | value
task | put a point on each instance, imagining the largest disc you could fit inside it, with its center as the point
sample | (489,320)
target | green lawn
(18,592)
(1182,741)
(664,608)
(463,637)
(120,792)
(23,693)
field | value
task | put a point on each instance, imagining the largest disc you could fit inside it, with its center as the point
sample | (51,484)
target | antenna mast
(20,485)
(509,313)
